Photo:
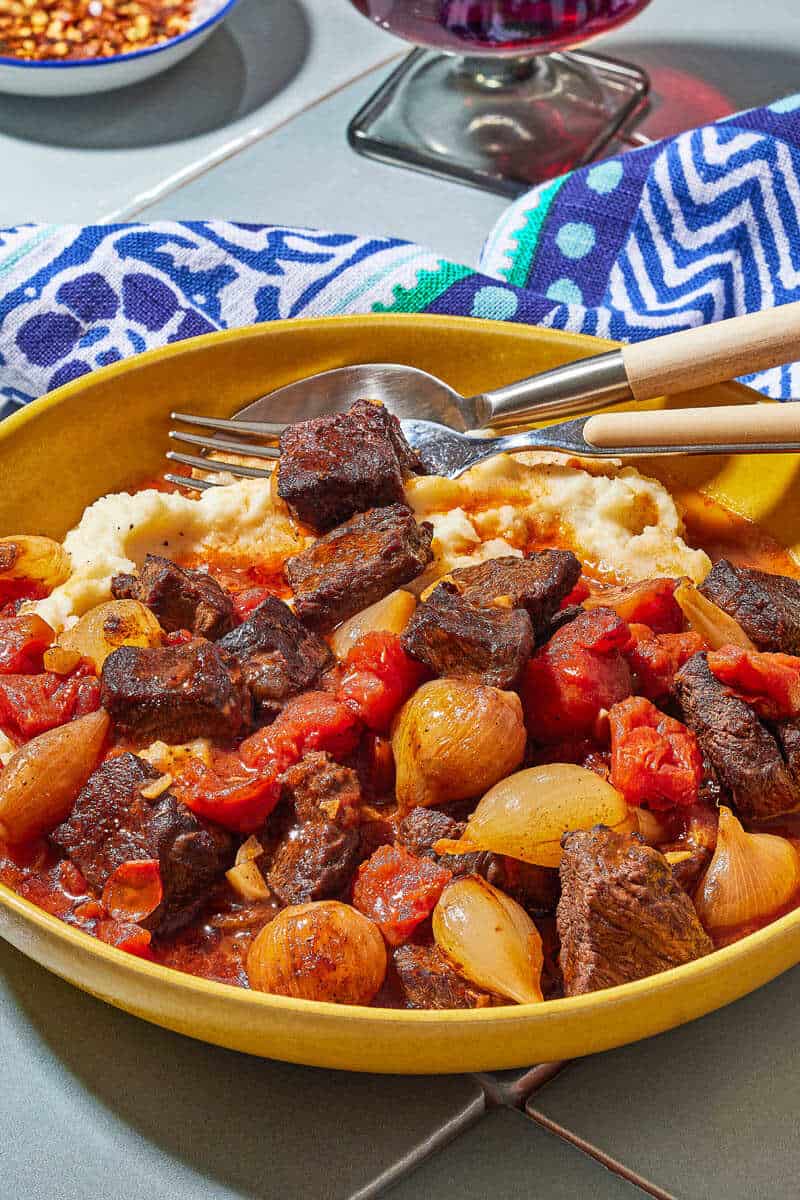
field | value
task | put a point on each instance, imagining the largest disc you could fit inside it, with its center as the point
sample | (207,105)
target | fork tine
(186,481)
(266,429)
(210,443)
(210,464)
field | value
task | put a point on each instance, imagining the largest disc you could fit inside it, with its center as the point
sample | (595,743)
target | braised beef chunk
(687,872)
(428,981)
(279,657)
(175,692)
(313,862)
(321,789)
(358,563)
(788,735)
(113,823)
(538,583)
(535,888)
(621,915)
(766,606)
(332,467)
(455,638)
(422,828)
(745,755)
(180,599)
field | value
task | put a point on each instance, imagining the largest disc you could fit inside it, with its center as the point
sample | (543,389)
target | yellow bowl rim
(652,985)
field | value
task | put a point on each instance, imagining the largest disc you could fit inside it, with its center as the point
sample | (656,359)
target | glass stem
(493,74)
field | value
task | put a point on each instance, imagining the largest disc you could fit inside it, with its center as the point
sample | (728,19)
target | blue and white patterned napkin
(687,231)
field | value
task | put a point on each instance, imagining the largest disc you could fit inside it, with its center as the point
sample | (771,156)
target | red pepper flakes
(82,29)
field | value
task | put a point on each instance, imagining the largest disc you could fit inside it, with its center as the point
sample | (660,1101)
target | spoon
(668,365)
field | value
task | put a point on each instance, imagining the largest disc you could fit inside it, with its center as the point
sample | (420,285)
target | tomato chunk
(134,891)
(313,721)
(651,602)
(23,641)
(578,594)
(241,792)
(14,592)
(579,673)
(398,891)
(125,935)
(379,677)
(244,603)
(177,637)
(655,657)
(30,704)
(770,683)
(655,760)
(241,801)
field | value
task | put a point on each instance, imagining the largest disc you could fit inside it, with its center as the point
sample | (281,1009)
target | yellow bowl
(107,431)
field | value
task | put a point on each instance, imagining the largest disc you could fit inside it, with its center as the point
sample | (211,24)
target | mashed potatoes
(240,522)
(623,525)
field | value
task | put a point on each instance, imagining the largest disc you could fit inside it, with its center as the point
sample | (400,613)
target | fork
(730,429)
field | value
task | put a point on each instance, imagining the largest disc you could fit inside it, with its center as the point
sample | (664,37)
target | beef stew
(250,816)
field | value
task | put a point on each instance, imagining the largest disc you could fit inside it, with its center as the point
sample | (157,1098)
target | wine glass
(492,96)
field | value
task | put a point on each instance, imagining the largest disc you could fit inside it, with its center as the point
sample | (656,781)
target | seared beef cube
(422,828)
(279,657)
(621,915)
(113,823)
(537,889)
(313,862)
(538,583)
(180,599)
(788,735)
(743,752)
(766,606)
(321,790)
(333,467)
(175,693)
(110,821)
(428,981)
(456,639)
(360,562)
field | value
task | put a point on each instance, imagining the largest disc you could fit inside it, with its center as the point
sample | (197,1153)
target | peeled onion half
(107,627)
(715,627)
(489,939)
(39,559)
(751,877)
(526,815)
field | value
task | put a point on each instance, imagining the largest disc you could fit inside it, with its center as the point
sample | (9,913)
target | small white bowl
(79,77)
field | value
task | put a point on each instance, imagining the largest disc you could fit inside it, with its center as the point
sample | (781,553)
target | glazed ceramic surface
(108,431)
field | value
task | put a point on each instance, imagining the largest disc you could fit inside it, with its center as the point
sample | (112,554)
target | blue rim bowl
(52,64)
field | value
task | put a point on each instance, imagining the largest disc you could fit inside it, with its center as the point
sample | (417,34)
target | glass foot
(497,123)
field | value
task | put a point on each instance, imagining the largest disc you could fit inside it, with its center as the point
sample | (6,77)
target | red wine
(498,26)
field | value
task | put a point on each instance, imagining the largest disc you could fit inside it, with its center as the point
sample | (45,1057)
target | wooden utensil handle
(695,358)
(747,424)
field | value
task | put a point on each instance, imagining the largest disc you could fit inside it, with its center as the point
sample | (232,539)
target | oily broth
(723,534)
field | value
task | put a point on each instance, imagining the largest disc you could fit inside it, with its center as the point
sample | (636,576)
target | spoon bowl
(407,392)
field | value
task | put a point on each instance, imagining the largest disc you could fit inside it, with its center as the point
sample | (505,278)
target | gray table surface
(94,1103)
